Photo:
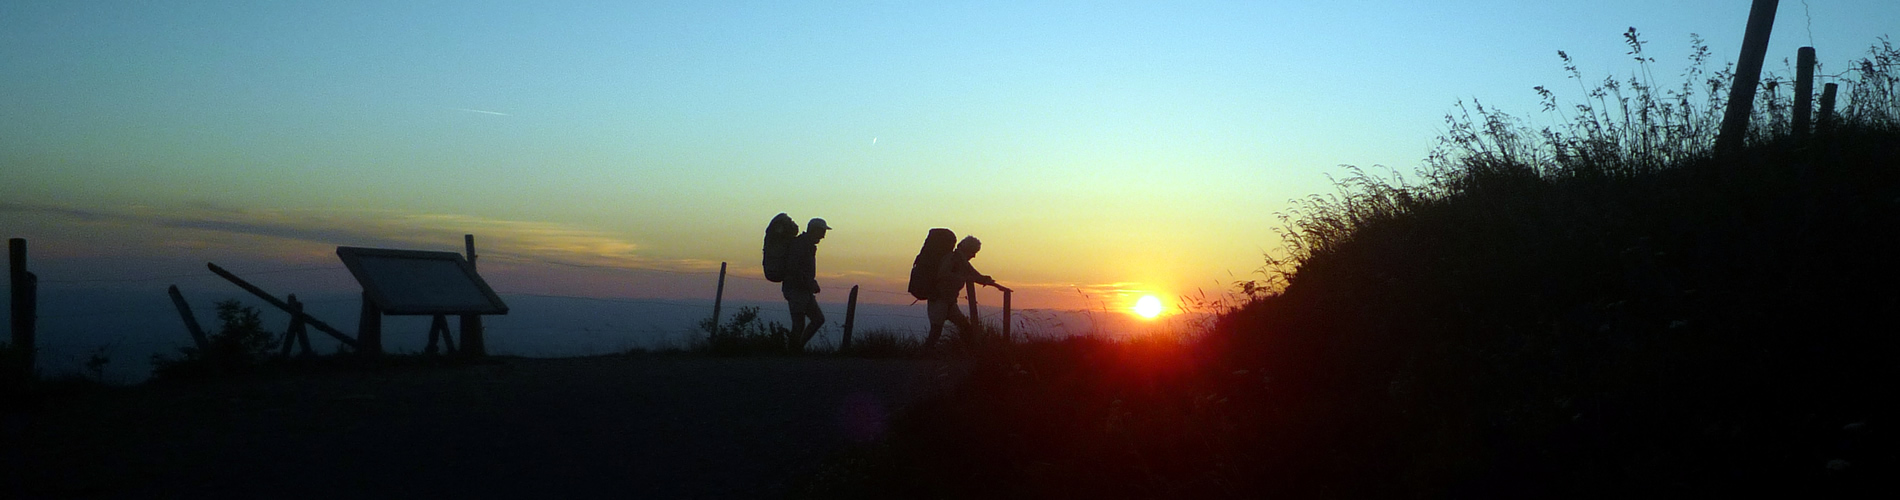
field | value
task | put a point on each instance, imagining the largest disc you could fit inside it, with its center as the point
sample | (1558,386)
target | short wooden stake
(1803,92)
(850,318)
(1741,95)
(1826,118)
(438,328)
(296,330)
(474,345)
(191,322)
(976,325)
(313,321)
(24,302)
(719,295)
(1006,294)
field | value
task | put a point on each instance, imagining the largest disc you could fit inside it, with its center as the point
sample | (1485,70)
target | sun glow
(1148,306)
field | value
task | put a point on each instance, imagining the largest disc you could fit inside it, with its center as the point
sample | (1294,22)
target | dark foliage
(240,345)
(743,334)
(1606,308)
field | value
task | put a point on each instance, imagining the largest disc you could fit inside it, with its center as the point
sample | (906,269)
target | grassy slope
(1681,323)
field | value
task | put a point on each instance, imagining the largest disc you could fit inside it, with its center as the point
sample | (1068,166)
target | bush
(743,334)
(240,345)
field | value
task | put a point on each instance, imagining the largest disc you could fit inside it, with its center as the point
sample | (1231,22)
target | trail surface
(638,427)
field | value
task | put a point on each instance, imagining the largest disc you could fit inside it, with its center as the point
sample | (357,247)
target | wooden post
(24,302)
(474,345)
(296,328)
(369,329)
(1006,294)
(850,318)
(438,328)
(1741,95)
(1803,92)
(976,325)
(719,295)
(303,339)
(191,322)
(311,320)
(1826,119)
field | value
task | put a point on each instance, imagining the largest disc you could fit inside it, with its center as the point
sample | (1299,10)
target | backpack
(923,271)
(778,244)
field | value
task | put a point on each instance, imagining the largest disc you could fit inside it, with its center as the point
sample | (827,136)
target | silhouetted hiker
(801,284)
(953,274)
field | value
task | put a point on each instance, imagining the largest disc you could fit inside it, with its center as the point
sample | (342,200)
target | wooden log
(191,322)
(296,323)
(438,328)
(260,293)
(1741,95)
(719,294)
(1803,92)
(1006,294)
(24,302)
(1826,119)
(976,325)
(850,318)
(474,344)
(303,342)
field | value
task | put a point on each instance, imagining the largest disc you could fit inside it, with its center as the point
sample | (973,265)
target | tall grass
(1599,306)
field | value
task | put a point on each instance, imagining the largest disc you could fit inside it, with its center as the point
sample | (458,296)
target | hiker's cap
(817,223)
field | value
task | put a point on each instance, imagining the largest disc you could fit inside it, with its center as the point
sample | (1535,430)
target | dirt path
(644,427)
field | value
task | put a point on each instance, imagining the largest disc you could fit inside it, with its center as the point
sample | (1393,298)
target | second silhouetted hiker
(801,284)
(953,274)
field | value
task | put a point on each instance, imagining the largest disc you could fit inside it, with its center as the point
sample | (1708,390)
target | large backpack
(923,270)
(778,244)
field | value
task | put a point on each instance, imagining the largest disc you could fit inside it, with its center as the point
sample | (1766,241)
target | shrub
(241,344)
(743,334)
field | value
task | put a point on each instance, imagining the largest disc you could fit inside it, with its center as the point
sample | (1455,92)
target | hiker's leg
(965,332)
(816,319)
(935,309)
(798,325)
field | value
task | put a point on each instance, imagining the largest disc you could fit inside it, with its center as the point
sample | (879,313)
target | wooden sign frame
(390,280)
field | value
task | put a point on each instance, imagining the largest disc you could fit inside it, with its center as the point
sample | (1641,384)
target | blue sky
(1113,149)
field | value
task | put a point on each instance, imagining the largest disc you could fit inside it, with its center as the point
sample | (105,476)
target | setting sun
(1148,306)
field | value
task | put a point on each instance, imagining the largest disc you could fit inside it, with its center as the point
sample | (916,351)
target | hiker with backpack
(953,273)
(800,284)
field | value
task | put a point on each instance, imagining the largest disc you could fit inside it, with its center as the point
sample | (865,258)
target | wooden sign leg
(438,328)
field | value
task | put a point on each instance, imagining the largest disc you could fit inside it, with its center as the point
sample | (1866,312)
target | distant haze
(128,326)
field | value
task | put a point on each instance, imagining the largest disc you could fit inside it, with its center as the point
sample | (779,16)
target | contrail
(497,113)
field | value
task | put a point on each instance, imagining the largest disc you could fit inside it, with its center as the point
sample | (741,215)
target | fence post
(191,322)
(850,317)
(976,325)
(1826,118)
(1803,92)
(1006,294)
(25,303)
(719,295)
(311,320)
(1741,95)
(296,326)
(438,327)
(473,344)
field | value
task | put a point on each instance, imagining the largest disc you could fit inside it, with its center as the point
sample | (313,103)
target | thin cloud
(485,112)
(529,240)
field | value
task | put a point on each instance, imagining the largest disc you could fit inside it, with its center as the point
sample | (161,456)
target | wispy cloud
(533,241)
(482,111)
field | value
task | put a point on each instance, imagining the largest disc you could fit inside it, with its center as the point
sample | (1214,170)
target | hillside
(1604,307)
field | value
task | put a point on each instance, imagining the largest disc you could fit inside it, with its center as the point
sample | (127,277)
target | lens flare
(1148,306)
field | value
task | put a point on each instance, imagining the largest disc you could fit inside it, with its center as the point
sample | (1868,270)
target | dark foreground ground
(632,427)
